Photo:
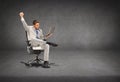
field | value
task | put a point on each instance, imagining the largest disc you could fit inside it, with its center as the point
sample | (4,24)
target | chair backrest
(27,41)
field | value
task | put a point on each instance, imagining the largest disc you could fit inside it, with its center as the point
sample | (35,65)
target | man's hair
(35,21)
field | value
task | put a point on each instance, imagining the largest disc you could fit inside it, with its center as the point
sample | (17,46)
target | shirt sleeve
(41,34)
(24,24)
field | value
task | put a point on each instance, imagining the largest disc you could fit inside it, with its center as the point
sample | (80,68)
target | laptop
(51,30)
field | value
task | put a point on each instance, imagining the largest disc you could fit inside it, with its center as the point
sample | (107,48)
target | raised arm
(23,21)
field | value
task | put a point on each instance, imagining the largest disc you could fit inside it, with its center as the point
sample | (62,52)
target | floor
(70,65)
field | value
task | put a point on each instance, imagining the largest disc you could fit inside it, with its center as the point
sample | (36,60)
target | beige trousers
(43,45)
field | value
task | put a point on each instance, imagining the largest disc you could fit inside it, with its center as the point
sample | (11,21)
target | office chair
(34,50)
(37,51)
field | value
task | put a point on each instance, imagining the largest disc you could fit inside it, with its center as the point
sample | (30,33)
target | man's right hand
(21,14)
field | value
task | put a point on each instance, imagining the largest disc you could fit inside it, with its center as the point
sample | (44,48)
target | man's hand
(21,14)
(48,35)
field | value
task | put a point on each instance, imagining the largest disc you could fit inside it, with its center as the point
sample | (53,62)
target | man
(36,37)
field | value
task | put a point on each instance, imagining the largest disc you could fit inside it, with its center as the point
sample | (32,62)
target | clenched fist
(21,14)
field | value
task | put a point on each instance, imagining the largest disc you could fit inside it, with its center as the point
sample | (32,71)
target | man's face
(37,25)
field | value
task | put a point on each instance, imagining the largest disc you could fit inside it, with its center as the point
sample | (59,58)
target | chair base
(36,62)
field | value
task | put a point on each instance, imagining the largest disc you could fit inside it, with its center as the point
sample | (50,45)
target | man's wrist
(22,18)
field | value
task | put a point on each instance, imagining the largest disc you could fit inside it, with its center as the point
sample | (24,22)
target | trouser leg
(46,52)
(44,46)
(37,42)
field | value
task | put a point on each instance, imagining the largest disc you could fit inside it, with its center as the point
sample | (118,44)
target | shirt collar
(35,29)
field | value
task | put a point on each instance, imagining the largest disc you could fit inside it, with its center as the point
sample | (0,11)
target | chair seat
(37,48)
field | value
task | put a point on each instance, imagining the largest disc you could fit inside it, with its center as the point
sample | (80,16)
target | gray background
(87,31)
(80,24)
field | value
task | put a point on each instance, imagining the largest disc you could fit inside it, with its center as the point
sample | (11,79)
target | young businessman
(36,37)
